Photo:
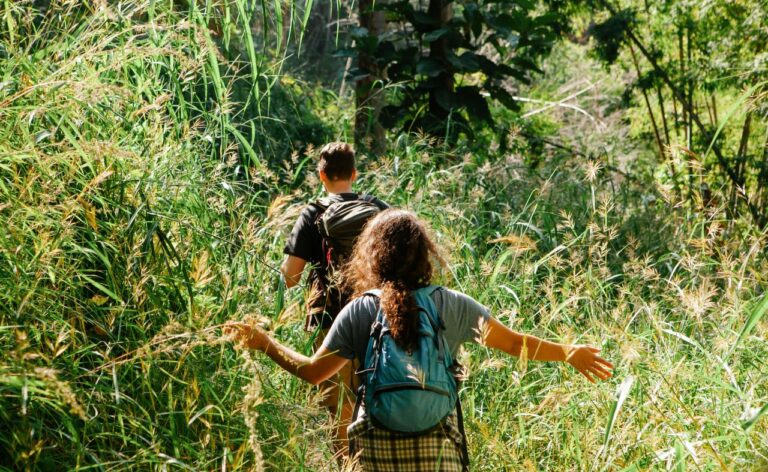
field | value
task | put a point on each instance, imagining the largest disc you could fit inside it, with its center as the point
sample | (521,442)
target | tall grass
(138,216)
(131,226)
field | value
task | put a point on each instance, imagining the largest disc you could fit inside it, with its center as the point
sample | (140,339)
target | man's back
(306,242)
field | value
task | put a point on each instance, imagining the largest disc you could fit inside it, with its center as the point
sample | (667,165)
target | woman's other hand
(247,334)
(586,360)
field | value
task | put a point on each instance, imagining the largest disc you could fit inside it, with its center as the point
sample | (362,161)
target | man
(306,245)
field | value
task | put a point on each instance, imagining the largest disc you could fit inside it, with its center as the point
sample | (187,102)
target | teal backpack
(409,392)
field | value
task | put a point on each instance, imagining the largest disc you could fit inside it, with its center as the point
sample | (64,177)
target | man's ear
(353,176)
(323,176)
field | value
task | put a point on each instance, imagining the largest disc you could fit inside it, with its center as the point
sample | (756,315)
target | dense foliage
(446,57)
(153,157)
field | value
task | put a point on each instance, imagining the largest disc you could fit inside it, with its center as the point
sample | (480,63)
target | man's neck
(339,189)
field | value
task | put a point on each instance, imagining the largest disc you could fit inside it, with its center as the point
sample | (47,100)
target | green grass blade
(731,112)
(305,19)
(621,395)
(750,422)
(102,288)
(279,26)
(754,317)
(679,457)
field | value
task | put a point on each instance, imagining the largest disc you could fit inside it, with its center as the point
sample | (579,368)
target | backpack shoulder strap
(430,289)
(464,449)
(371,199)
(323,203)
(368,363)
(378,321)
(424,300)
(426,293)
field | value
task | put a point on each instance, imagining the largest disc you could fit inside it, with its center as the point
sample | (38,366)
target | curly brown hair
(394,253)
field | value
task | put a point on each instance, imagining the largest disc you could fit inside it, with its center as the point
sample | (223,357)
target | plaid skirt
(379,450)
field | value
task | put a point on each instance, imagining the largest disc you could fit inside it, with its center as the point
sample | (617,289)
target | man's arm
(292,268)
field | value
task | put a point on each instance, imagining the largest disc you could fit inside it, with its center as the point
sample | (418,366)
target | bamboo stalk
(662,110)
(681,58)
(740,160)
(689,81)
(648,105)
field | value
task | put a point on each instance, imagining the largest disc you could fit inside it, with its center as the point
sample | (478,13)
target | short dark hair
(337,160)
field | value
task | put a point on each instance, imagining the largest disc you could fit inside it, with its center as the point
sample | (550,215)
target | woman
(395,254)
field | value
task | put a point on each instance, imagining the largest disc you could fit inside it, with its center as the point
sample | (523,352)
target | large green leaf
(429,67)
(474,102)
(467,62)
(447,99)
(433,36)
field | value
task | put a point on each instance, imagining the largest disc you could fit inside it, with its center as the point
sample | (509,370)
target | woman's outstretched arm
(583,358)
(322,366)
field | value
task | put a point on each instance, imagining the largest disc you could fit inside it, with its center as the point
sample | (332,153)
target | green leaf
(679,457)
(467,62)
(304,21)
(102,288)
(475,103)
(547,18)
(739,103)
(526,64)
(487,66)
(504,97)
(345,52)
(436,34)
(447,99)
(356,74)
(429,67)
(280,296)
(422,21)
(358,33)
(492,281)
(610,34)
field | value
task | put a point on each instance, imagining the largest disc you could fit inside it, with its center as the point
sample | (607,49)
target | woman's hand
(318,368)
(585,359)
(251,336)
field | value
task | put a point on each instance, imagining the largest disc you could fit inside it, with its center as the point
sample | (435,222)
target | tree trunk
(369,90)
(441,11)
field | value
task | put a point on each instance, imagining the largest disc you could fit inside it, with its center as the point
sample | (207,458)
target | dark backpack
(339,222)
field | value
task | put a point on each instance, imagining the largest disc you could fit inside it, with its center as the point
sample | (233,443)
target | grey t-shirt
(351,330)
